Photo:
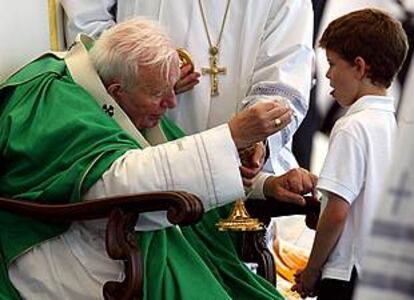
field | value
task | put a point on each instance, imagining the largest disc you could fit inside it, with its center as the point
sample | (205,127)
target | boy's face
(343,79)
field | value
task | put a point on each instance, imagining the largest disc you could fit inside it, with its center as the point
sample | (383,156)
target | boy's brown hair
(373,35)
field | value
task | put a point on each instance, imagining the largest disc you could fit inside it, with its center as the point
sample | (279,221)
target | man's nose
(170,101)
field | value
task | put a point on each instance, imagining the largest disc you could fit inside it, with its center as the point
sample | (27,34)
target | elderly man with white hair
(89,124)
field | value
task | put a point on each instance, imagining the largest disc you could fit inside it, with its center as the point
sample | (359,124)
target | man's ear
(361,67)
(115,90)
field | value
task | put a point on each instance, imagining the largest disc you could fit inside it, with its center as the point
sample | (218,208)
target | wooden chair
(182,209)
(122,212)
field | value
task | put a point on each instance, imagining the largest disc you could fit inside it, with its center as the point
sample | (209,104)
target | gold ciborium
(239,220)
(185,58)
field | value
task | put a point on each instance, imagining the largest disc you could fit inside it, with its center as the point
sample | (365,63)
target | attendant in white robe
(407,94)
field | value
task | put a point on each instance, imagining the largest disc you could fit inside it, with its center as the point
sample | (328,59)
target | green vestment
(55,143)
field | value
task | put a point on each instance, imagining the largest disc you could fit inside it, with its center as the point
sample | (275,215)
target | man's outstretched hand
(257,122)
(291,186)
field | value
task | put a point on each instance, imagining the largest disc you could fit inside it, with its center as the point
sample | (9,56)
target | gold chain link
(217,45)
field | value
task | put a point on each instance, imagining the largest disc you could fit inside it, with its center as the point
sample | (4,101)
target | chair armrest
(270,208)
(254,246)
(182,207)
(122,212)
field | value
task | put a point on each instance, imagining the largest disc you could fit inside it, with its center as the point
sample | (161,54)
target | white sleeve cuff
(257,191)
(326,184)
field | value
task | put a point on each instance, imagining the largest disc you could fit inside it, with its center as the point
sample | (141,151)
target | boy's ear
(361,67)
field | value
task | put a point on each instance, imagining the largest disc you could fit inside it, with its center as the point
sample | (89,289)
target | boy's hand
(306,282)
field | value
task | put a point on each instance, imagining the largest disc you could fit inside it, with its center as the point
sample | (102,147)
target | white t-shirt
(359,152)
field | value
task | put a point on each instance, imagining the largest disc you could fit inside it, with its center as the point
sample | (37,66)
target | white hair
(121,51)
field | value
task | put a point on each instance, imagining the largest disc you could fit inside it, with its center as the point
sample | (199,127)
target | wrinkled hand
(306,282)
(291,186)
(257,122)
(252,159)
(187,80)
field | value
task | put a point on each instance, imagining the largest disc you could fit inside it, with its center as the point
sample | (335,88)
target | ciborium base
(239,220)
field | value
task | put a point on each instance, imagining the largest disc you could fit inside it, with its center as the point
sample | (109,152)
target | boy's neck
(372,90)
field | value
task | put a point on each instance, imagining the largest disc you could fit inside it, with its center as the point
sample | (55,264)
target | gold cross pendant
(214,70)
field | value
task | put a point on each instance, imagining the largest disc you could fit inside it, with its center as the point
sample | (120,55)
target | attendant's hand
(257,122)
(291,186)
(187,80)
(252,159)
(306,282)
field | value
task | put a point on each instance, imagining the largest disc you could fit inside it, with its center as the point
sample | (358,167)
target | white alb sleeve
(90,17)
(257,191)
(205,164)
(283,70)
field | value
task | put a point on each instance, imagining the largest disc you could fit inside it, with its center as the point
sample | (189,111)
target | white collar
(84,74)
(385,103)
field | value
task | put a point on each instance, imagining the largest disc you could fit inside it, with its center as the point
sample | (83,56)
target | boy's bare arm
(329,229)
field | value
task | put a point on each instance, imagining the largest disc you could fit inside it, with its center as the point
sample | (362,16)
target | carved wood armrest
(270,208)
(254,247)
(182,208)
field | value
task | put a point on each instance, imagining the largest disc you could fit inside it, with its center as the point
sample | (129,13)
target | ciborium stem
(239,220)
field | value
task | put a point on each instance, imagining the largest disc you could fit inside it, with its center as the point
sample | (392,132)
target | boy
(365,50)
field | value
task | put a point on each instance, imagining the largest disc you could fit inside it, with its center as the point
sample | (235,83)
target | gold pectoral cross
(214,70)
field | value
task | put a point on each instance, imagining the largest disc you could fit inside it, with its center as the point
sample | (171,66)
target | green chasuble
(55,143)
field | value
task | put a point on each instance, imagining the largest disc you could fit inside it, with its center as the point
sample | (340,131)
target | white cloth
(359,152)
(388,269)
(266,48)
(78,257)
(407,94)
